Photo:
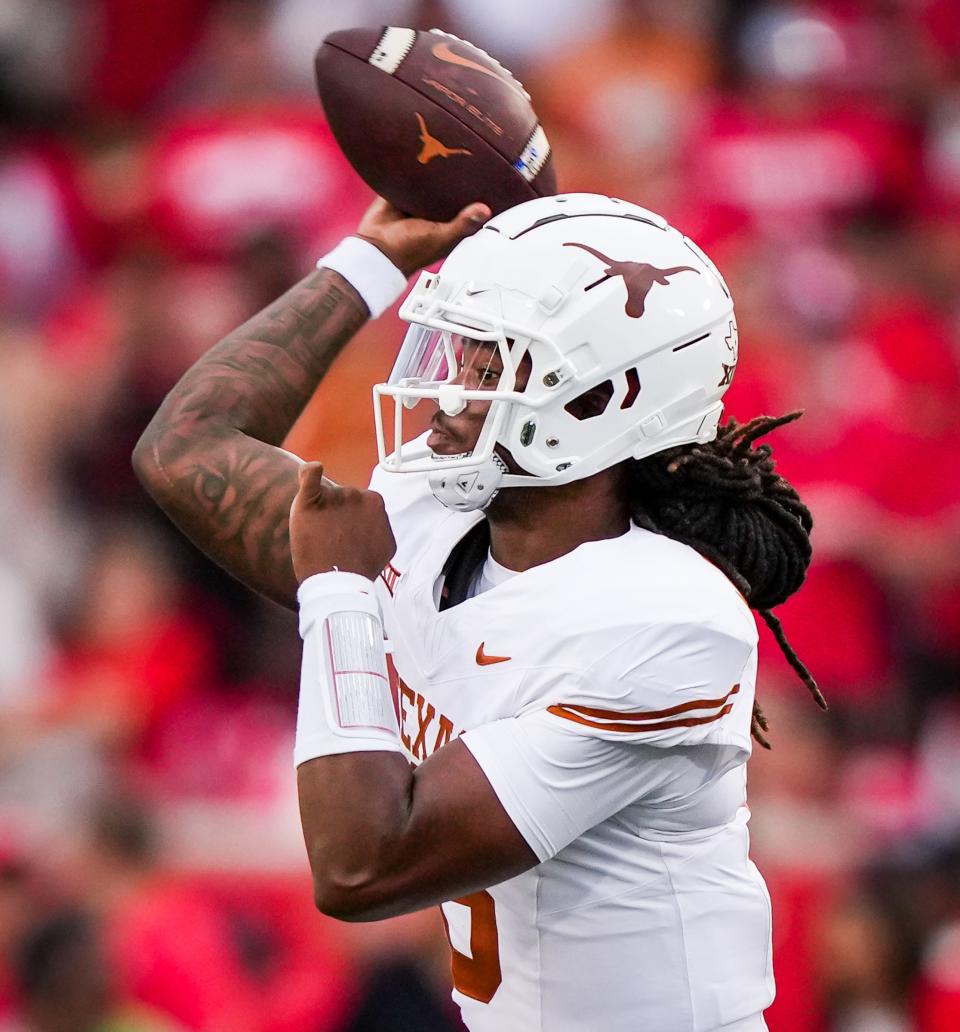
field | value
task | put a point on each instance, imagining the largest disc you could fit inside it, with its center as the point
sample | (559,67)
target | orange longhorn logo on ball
(432,147)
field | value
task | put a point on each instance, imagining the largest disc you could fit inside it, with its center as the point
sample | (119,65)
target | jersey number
(478,976)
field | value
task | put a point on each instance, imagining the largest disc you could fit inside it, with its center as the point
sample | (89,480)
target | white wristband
(368,270)
(345,700)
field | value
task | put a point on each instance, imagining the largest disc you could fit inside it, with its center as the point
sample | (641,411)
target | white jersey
(607,697)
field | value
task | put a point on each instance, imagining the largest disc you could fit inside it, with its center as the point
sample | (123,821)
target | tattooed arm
(210,457)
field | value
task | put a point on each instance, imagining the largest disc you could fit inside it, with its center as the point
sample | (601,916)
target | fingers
(444,236)
(467,222)
(380,213)
(312,483)
(476,214)
(412,243)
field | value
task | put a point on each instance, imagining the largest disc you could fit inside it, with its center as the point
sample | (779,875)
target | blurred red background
(164,172)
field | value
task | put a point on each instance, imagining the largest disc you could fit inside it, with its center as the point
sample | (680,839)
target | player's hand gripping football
(411,244)
(337,527)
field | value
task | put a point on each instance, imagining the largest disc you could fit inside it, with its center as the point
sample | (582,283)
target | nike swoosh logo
(442,52)
(484,660)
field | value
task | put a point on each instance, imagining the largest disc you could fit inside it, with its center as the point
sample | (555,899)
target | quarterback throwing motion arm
(211,455)
(211,458)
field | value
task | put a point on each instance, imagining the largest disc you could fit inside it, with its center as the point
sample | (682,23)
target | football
(431,122)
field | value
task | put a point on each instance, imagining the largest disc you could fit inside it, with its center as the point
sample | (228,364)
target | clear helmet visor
(450,371)
(431,356)
(426,356)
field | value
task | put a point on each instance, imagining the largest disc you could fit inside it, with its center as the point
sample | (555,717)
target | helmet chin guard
(470,488)
(590,329)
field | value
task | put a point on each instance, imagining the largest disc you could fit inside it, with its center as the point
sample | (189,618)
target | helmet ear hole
(592,402)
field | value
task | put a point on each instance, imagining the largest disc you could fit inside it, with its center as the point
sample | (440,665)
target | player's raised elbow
(151,458)
(145,462)
(151,453)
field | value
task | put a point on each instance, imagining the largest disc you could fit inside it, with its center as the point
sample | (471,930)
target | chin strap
(470,488)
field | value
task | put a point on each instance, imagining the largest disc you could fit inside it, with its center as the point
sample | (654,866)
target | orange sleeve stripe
(665,725)
(684,707)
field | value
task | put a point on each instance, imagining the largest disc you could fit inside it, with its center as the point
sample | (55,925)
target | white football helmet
(574,292)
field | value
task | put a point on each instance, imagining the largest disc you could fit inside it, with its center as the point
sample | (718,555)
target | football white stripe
(534,155)
(392,47)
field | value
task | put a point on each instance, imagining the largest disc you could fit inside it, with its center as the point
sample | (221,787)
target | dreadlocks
(726,500)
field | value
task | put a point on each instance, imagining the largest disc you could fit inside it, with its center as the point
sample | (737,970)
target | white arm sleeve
(556,782)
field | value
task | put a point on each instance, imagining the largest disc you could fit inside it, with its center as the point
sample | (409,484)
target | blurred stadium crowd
(164,172)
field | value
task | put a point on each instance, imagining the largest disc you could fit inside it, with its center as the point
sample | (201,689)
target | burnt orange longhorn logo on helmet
(639,278)
(432,147)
